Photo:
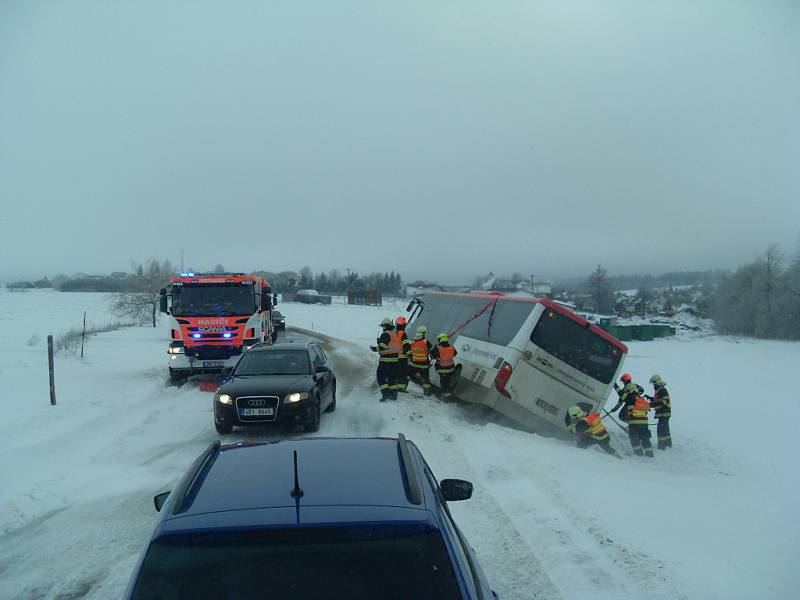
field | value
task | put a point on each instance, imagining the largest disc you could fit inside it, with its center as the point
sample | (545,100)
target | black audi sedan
(286,382)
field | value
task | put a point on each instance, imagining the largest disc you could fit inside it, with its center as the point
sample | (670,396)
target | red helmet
(400,321)
(626,377)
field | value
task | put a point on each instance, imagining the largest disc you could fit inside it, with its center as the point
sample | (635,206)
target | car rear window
(354,562)
(273,362)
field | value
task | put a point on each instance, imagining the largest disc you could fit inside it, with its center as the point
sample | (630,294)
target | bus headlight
(296,397)
(224,399)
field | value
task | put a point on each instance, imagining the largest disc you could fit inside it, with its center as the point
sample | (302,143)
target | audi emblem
(257,402)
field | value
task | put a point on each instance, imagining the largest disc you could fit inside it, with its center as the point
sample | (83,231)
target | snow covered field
(712,518)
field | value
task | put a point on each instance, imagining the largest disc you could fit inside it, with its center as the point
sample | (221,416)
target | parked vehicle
(286,382)
(278,321)
(213,318)
(527,358)
(310,518)
(307,296)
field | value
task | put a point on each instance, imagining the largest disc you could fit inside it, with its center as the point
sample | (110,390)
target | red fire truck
(213,318)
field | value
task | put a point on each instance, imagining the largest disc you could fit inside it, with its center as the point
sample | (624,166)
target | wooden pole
(52,375)
(83,333)
(154,314)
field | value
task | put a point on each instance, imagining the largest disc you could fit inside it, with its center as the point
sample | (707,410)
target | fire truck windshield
(212,300)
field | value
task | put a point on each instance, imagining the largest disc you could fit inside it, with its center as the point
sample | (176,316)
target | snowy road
(710,519)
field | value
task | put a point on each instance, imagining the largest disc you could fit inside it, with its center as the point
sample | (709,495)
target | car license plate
(258,412)
(213,363)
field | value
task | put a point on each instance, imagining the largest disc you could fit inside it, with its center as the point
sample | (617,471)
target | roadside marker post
(52,375)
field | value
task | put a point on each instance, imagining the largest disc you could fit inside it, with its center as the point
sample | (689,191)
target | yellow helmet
(422,331)
(576,412)
(656,380)
(386,322)
(442,337)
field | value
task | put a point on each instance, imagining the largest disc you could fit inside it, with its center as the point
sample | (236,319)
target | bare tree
(600,289)
(139,304)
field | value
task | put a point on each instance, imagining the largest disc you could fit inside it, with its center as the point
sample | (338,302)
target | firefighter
(388,349)
(419,359)
(444,355)
(402,374)
(634,413)
(589,428)
(663,407)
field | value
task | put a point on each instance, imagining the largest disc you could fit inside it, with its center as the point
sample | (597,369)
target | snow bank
(712,518)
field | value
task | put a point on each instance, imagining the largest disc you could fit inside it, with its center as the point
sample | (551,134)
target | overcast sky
(441,139)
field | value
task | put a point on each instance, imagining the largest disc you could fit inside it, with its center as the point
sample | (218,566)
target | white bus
(527,358)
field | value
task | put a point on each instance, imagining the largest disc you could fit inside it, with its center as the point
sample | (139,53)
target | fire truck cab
(213,318)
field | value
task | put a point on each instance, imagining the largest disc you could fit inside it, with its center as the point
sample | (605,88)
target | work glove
(373,348)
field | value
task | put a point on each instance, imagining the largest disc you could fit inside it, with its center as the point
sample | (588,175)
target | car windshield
(273,362)
(361,562)
(212,300)
(276,314)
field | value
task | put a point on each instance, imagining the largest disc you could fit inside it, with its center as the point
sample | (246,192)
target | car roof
(360,479)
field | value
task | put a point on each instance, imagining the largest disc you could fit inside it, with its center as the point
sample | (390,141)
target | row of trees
(761,299)
(334,281)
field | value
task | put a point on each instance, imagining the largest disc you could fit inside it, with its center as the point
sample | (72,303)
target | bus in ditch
(213,318)
(527,358)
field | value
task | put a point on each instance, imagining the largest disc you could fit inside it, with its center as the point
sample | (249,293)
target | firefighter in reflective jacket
(445,356)
(388,349)
(589,428)
(419,361)
(663,407)
(634,413)
(402,374)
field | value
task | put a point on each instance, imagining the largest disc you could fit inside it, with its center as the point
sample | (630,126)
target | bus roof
(500,297)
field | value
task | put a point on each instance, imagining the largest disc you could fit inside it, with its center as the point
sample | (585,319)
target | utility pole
(348,277)
(531,283)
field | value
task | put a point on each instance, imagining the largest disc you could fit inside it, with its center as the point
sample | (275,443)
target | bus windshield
(576,345)
(212,300)
(354,562)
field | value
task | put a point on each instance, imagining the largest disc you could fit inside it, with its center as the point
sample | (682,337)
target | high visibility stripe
(388,359)
(416,366)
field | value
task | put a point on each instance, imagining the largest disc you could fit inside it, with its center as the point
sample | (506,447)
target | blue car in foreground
(309,518)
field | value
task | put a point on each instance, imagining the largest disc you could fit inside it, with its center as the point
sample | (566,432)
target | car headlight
(224,399)
(296,397)
(175,350)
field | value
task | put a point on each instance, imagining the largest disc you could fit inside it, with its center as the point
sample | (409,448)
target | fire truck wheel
(176,377)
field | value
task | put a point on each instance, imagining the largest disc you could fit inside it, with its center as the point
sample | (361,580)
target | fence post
(83,333)
(154,314)
(50,365)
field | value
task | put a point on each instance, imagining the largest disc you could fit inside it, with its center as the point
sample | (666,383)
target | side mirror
(455,489)
(321,369)
(162,302)
(159,499)
(275,300)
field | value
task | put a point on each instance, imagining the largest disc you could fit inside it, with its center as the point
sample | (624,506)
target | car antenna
(297,492)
